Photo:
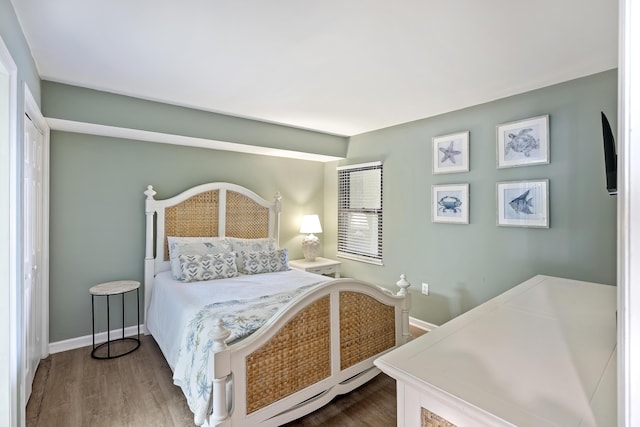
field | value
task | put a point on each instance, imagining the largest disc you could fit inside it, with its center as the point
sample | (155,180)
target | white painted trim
(166,138)
(16,414)
(33,110)
(421,324)
(87,340)
(629,215)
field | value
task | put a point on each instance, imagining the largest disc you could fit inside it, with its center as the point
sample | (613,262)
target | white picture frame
(451,153)
(523,142)
(523,203)
(450,203)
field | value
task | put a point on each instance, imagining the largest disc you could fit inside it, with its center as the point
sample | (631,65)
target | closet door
(32,226)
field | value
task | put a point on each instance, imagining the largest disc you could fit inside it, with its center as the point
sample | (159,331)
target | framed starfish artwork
(451,153)
(523,143)
(523,203)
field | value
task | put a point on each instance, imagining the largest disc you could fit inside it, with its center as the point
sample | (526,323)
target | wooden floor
(72,389)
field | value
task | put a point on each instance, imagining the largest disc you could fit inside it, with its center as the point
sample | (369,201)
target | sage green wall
(97,210)
(63,101)
(466,265)
(97,221)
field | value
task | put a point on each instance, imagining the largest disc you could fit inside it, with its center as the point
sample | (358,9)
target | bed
(310,338)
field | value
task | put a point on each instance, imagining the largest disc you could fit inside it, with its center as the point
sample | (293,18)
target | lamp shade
(310,224)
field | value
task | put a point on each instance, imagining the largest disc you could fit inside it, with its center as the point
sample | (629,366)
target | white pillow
(193,246)
(197,267)
(252,245)
(263,261)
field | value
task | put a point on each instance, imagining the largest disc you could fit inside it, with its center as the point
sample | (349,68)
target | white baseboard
(87,340)
(426,326)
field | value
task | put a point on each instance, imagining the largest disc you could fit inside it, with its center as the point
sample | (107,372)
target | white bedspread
(174,304)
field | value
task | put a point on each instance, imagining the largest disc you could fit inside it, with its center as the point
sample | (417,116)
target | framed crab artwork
(523,203)
(451,153)
(523,143)
(450,203)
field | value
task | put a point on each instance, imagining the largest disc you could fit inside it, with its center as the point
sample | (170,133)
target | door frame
(32,110)
(629,215)
(9,313)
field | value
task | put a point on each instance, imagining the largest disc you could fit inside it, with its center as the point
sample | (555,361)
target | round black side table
(109,289)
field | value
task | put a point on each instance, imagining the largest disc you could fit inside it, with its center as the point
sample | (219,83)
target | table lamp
(310,243)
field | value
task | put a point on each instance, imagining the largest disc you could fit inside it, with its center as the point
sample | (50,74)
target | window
(360,212)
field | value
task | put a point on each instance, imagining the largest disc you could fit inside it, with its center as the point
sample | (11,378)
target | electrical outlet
(425,288)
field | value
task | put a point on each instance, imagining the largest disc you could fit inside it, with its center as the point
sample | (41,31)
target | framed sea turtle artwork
(451,153)
(450,203)
(523,203)
(523,142)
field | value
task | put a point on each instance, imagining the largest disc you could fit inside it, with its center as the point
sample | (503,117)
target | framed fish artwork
(523,143)
(523,203)
(450,203)
(451,153)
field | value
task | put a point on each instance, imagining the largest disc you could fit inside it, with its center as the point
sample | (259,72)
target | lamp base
(310,247)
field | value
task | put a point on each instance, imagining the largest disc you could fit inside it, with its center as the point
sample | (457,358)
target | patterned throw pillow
(193,246)
(198,267)
(252,245)
(263,261)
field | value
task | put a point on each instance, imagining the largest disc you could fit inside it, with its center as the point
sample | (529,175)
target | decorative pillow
(197,267)
(263,261)
(194,246)
(252,245)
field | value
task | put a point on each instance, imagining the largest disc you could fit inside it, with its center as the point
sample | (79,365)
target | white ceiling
(337,66)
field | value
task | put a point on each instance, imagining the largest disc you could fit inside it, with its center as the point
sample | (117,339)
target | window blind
(360,212)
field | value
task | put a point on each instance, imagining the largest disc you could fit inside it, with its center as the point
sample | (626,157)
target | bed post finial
(150,192)
(219,335)
(403,284)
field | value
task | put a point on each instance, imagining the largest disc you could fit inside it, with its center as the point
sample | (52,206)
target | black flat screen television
(610,156)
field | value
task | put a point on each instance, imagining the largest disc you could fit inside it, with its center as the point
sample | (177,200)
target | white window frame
(345,210)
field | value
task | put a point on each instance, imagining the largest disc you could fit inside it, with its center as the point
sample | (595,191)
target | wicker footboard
(320,346)
(300,355)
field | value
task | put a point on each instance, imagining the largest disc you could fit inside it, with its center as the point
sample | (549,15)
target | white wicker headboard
(217,209)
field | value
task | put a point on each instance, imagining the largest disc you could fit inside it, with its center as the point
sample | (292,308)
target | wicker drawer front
(429,419)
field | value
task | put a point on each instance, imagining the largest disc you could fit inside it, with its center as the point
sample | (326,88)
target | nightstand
(319,266)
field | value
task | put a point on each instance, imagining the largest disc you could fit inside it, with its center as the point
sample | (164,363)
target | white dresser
(540,354)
